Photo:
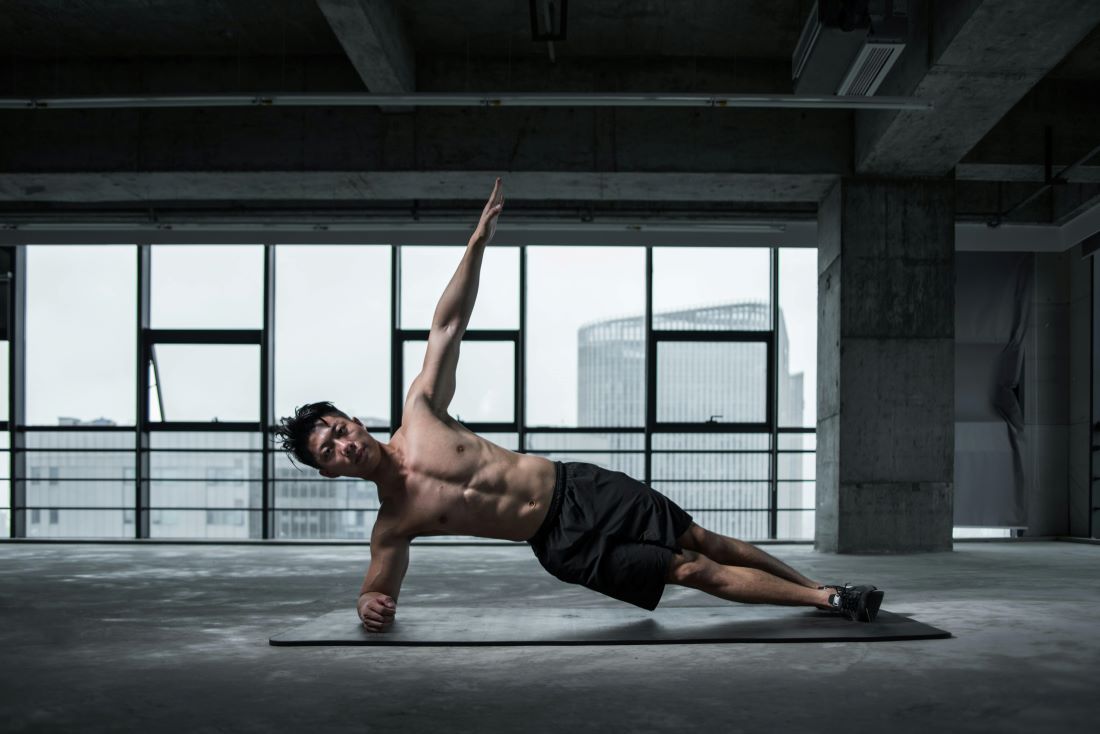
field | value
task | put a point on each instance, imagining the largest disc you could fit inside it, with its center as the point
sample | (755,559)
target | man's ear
(327,474)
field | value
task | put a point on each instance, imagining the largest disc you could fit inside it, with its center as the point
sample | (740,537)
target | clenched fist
(376,610)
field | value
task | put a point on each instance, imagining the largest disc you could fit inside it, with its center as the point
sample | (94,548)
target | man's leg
(732,552)
(740,584)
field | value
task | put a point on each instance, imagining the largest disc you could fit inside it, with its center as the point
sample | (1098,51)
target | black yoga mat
(471,626)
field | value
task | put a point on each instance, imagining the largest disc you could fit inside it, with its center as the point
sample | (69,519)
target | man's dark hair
(295,430)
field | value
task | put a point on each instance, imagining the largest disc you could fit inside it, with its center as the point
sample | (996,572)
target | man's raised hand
(488,224)
(376,611)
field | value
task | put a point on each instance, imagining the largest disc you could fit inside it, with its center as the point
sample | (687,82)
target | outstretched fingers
(495,205)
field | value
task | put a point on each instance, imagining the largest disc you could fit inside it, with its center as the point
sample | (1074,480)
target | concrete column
(886,324)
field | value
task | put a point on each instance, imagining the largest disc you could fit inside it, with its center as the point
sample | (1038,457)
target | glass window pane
(206,468)
(795,525)
(715,441)
(484,381)
(721,479)
(426,271)
(52,468)
(801,465)
(585,336)
(324,524)
(732,469)
(194,440)
(207,286)
(797,354)
(711,288)
(205,523)
(332,329)
(83,493)
(538,442)
(698,495)
(701,381)
(799,441)
(81,334)
(326,494)
(743,524)
(80,523)
(796,496)
(205,382)
(202,487)
(116,439)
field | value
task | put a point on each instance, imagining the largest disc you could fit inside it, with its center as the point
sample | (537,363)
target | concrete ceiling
(746,29)
(1015,85)
(48,29)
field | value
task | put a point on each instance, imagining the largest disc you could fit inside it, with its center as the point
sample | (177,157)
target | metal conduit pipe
(509,99)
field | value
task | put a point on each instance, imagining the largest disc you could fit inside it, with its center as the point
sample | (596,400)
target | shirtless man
(587,525)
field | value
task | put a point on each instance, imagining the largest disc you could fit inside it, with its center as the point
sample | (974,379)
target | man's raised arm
(436,380)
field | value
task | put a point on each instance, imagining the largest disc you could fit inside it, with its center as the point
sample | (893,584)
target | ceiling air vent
(847,47)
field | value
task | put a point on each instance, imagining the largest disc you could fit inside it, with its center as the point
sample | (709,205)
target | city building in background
(726,492)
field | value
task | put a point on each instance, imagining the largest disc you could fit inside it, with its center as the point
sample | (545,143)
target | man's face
(342,447)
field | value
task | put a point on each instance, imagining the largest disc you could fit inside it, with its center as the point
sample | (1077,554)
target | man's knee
(703,541)
(688,568)
(694,539)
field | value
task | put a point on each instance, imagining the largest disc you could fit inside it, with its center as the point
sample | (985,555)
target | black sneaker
(857,602)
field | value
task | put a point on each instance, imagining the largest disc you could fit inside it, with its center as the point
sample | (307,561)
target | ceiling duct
(847,47)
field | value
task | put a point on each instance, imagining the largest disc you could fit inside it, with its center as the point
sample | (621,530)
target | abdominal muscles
(461,484)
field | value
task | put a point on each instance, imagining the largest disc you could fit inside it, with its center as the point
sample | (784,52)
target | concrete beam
(1022,172)
(643,140)
(985,55)
(1063,109)
(374,40)
(138,187)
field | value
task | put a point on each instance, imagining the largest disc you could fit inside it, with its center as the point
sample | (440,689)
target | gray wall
(1094,466)
(1057,398)
(1080,398)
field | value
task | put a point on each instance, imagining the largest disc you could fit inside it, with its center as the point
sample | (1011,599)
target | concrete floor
(174,638)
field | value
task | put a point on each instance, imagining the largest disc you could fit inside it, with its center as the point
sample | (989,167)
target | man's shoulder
(419,406)
(422,420)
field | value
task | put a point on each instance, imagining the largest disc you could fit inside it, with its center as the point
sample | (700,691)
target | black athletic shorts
(609,533)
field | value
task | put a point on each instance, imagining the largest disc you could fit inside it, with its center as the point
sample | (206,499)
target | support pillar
(886,310)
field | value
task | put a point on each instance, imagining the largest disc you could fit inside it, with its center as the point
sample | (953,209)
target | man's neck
(389,473)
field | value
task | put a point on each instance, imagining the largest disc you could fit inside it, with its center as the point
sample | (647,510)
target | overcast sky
(333,315)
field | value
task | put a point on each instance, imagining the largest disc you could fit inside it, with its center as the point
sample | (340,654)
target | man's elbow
(450,326)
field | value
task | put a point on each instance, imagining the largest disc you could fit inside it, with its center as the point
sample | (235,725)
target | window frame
(274,517)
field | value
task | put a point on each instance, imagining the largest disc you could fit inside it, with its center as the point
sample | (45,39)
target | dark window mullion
(482,335)
(773,396)
(141,423)
(205,336)
(205,427)
(267,394)
(650,368)
(705,335)
(520,403)
(17,391)
(705,427)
